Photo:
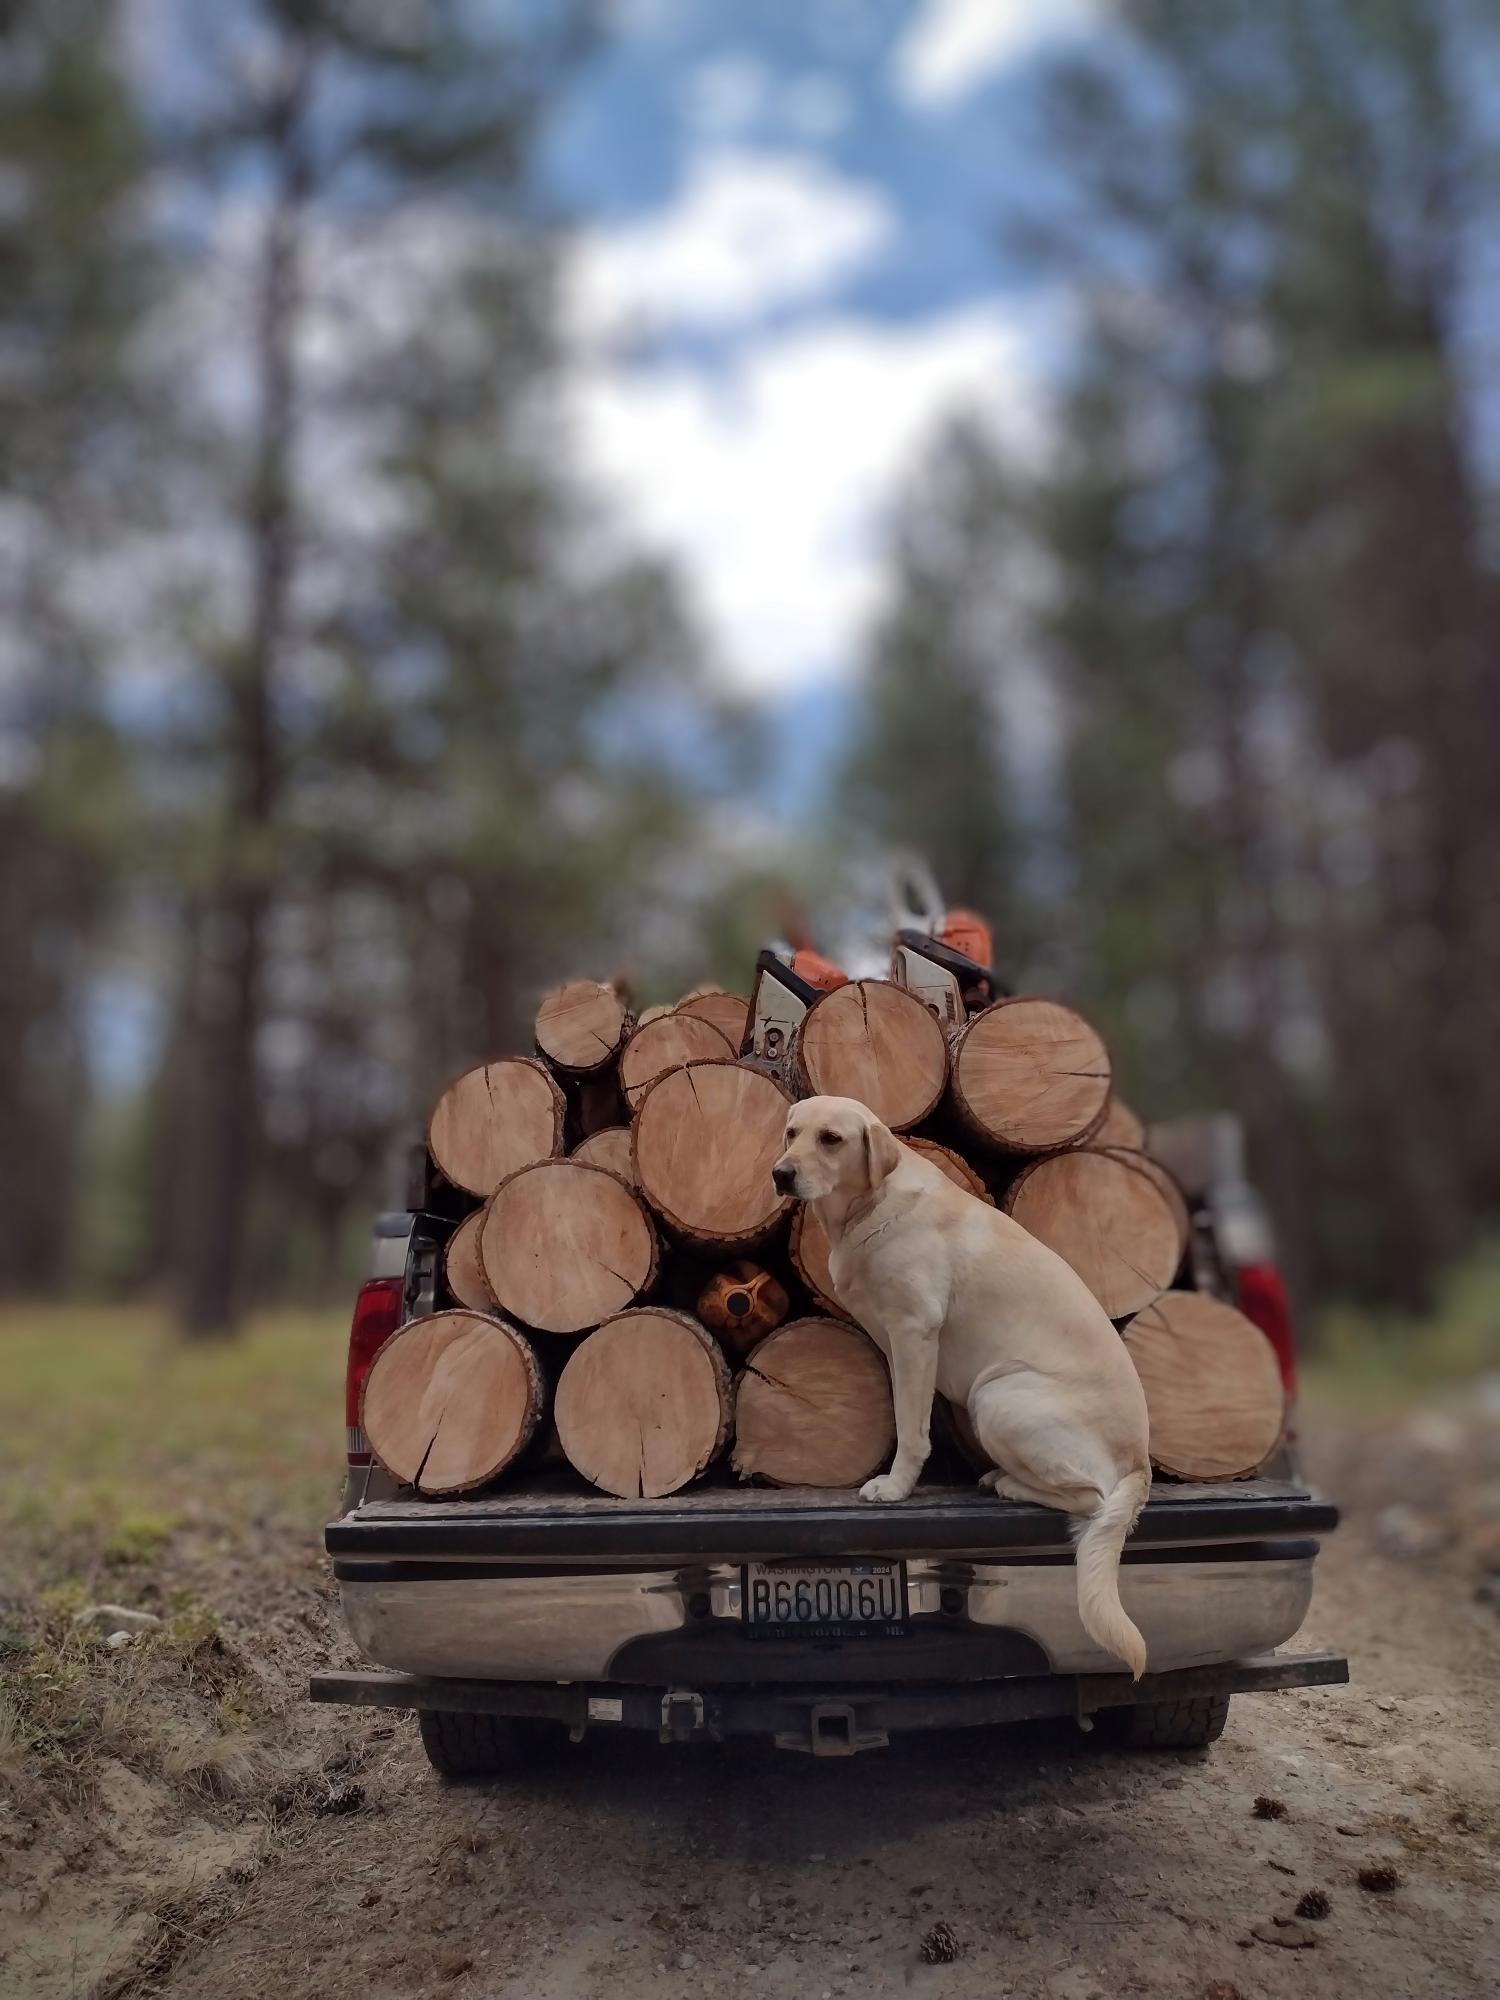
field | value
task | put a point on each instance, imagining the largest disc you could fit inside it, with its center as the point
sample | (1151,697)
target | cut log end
(462,1268)
(813,1407)
(1030,1076)
(580,1026)
(450,1400)
(808,1248)
(494,1120)
(1109,1221)
(1213,1388)
(643,1405)
(706,1139)
(954,1165)
(727,1011)
(564,1245)
(609,1148)
(877,1043)
(667,1043)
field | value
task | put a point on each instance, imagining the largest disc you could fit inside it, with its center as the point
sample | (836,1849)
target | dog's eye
(830,1138)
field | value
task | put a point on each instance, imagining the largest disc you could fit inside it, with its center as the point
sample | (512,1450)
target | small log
(450,1400)
(1111,1223)
(877,1043)
(581,1026)
(462,1268)
(808,1248)
(813,1407)
(1213,1386)
(564,1245)
(1030,1076)
(1161,1178)
(1121,1127)
(608,1148)
(728,1012)
(653,1013)
(742,1305)
(706,1139)
(643,1404)
(667,1043)
(495,1119)
(954,1165)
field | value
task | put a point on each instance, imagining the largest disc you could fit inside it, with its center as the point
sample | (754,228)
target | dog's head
(834,1146)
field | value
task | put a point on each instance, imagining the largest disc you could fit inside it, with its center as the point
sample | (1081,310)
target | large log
(954,1165)
(742,1305)
(609,1148)
(728,1012)
(813,1407)
(877,1043)
(450,1400)
(667,1043)
(581,1026)
(1109,1221)
(1213,1386)
(1030,1076)
(706,1139)
(1165,1182)
(495,1119)
(564,1245)
(643,1404)
(462,1268)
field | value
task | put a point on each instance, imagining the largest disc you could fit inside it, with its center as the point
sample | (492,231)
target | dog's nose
(785,1177)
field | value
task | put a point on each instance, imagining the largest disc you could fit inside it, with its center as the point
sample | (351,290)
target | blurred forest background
(338,713)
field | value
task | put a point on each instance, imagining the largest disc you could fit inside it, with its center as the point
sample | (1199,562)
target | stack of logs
(629,1291)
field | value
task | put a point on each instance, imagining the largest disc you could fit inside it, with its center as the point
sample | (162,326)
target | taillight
(1262,1297)
(377,1314)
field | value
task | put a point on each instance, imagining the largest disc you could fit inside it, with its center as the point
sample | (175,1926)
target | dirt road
(625,1870)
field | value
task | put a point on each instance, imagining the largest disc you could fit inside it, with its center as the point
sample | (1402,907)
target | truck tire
(461,1745)
(1191,1724)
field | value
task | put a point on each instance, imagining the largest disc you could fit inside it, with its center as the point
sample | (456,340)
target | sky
(787,270)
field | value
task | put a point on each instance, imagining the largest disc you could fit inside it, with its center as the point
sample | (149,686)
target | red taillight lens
(377,1314)
(1262,1297)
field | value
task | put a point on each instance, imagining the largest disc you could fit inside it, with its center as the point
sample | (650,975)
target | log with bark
(581,1026)
(706,1139)
(1213,1386)
(1030,1076)
(954,1165)
(495,1119)
(1111,1222)
(450,1400)
(667,1043)
(609,1147)
(1165,1182)
(643,1405)
(813,1407)
(728,1012)
(564,1245)
(742,1305)
(1121,1127)
(808,1247)
(877,1043)
(462,1268)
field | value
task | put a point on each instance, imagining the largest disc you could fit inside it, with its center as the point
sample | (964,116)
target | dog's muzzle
(785,1178)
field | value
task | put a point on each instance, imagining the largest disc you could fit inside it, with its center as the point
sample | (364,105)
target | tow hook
(681,1716)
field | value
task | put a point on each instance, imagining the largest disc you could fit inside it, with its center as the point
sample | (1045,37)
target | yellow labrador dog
(962,1299)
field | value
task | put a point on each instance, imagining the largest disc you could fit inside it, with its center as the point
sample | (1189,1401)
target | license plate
(824,1600)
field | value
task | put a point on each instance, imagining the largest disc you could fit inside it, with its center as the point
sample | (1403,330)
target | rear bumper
(836,1723)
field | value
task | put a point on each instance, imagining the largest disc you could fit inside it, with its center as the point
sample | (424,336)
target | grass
(1362,1355)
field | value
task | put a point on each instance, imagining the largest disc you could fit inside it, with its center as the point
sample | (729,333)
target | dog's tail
(1100,1539)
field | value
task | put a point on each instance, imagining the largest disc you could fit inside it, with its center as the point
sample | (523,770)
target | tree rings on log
(728,1012)
(580,1026)
(564,1245)
(643,1404)
(954,1165)
(1030,1076)
(813,1407)
(1165,1182)
(1121,1127)
(879,1044)
(462,1268)
(808,1247)
(1213,1386)
(495,1119)
(450,1400)
(608,1148)
(706,1139)
(1110,1222)
(666,1043)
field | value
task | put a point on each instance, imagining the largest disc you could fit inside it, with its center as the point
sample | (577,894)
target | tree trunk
(643,1404)
(581,1026)
(706,1139)
(877,1043)
(668,1042)
(1107,1219)
(1030,1076)
(494,1120)
(1213,1386)
(450,1401)
(813,1407)
(563,1246)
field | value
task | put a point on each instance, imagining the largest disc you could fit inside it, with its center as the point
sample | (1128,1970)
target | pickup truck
(516,1620)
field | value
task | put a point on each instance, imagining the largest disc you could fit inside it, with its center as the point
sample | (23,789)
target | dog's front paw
(988,1481)
(886,1486)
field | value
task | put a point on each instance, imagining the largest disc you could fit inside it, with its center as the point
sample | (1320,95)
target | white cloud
(953,45)
(768,482)
(750,232)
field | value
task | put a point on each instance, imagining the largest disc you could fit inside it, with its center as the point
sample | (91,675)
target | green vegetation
(1366,1355)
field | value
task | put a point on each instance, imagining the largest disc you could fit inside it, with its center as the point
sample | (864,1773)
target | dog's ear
(882,1153)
